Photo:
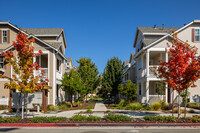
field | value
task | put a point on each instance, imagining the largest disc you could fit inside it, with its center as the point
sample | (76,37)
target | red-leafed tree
(23,66)
(182,69)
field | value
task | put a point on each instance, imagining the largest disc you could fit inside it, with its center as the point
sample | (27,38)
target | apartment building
(129,70)
(151,44)
(52,43)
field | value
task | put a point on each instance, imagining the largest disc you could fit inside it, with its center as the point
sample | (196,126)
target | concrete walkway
(100,107)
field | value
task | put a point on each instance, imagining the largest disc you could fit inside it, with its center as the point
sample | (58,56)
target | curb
(97,124)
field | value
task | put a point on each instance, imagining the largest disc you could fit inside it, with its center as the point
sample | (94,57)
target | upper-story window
(196,35)
(1,62)
(58,65)
(140,64)
(5,36)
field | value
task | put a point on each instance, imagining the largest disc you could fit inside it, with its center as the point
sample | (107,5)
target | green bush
(52,119)
(2,107)
(155,106)
(147,108)
(134,106)
(160,118)
(79,118)
(195,118)
(89,111)
(122,103)
(90,107)
(93,118)
(193,105)
(117,117)
(53,108)
(9,119)
(63,106)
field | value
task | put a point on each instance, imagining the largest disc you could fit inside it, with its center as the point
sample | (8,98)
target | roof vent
(154,26)
(184,24)
(162,26)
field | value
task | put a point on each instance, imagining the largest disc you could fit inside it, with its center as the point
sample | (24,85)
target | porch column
(147,63)
(171,95)
(142,64)
(166,92)
(147,92)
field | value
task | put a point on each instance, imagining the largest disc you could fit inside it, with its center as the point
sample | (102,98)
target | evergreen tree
(112,75)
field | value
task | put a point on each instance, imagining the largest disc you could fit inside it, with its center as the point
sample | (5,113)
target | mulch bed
(137,120)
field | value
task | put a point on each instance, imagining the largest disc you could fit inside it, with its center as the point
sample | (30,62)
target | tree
(129,90)
(112,75)
(71,83)
(182,69)
(89,75)
(24,80)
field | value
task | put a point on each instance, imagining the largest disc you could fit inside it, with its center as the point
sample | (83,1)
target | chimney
(154,26)
(162,26)
(184,24)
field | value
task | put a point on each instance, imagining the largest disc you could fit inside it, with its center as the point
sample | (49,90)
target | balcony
(39,72)
(153,71)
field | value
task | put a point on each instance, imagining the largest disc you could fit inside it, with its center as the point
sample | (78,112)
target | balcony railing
(153,70)
(39,72)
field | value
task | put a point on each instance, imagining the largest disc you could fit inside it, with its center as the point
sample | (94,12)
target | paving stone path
(99,107)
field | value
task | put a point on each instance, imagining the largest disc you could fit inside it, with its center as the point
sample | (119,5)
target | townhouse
(151,44)
(52,43)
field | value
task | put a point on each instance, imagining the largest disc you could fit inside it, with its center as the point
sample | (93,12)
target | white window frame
(5,36)
(1,62)
(196,35)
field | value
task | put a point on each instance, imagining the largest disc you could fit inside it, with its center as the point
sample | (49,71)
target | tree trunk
(18,103)
(22,106)
(71,100)
(26,104)
(185,102)
(179,108)
(173,103)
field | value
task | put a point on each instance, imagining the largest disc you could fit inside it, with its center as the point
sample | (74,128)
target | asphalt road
(102,130)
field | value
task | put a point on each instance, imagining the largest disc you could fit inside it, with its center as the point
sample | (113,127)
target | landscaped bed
(109,118)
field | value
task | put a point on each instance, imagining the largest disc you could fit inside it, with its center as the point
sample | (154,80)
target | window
(43,62)
(140,64)
(140,89)
(196,35)
(4,36)
(58,65)
(1,62)
(139,46)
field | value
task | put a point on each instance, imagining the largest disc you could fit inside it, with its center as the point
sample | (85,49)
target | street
(101,130)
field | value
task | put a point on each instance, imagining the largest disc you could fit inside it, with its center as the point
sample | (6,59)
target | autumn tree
(112,75)
(89,75)
(72,83)
(23,66)
(182,69)
(129,90)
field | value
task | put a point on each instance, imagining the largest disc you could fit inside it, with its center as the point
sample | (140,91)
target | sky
(99,29)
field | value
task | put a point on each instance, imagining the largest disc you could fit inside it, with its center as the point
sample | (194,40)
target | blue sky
(99,29)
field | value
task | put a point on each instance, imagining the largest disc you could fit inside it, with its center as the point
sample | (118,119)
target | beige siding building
(52,42)
(151,44)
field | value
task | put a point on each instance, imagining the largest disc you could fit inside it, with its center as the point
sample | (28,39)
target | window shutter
(8,36)
(0,36)
(192,35)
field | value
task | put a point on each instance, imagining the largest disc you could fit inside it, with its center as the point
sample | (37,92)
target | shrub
(176,110)
(117,118)
(89,111)
(9,119)
(159,118)
(195,118)
(63,106)
(2,107)
(193,105)
(52,119)
(134,106)
(122,103)
(147,108)
(93,118)
(167,107)
(155,106)
(90,107)
(53,108)
(79,118)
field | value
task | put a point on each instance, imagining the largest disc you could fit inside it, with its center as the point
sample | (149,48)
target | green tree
(112,75)
(89,75)
(72,83)
(129,90)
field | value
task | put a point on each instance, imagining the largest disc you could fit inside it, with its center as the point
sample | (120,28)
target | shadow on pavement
(7,129)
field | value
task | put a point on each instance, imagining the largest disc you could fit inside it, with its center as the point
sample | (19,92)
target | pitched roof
(56,45)
(149,41)
(43,31)
(158,29)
